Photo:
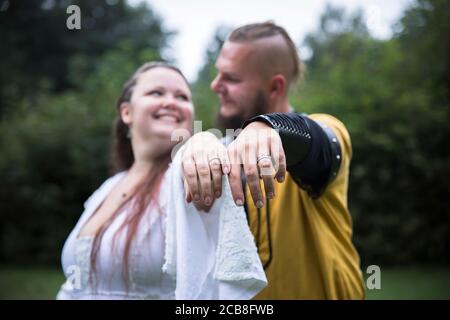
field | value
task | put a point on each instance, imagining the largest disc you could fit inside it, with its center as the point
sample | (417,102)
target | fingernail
(259,204)
(270,195)
(226,170)
(217,194)
(239,202)
(207,200)
(196,197)
(281,179)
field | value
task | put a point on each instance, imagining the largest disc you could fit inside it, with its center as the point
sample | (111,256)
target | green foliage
(58,90)
(393,97)
(206,101)
(30,282)
(37,47)
(412,283)
(56,144)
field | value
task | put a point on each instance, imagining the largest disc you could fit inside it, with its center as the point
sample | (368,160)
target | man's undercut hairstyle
(259,31)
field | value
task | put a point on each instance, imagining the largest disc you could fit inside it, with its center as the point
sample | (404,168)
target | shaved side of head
(273,56)
(273,51)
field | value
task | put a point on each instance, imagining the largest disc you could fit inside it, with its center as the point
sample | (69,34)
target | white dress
(146,258)
(178,252)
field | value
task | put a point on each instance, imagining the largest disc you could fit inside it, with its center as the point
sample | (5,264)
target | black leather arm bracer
(313,153)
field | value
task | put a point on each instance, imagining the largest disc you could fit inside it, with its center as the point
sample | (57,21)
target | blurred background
(58,89)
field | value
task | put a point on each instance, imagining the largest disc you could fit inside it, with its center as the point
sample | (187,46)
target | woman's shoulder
(105,187)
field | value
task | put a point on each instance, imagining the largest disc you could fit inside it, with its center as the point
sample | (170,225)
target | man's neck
(283,107)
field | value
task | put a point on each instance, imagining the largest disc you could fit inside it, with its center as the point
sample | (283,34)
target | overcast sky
(196,20)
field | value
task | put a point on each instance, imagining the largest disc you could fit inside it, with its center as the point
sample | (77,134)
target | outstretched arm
(272,143)
(312,150)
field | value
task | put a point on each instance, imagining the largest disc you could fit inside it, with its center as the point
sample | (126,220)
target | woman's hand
(204,161)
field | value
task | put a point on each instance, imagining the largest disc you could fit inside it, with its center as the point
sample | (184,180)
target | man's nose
(216,85)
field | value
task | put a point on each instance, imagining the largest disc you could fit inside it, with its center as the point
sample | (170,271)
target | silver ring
(263,156)
(214,158)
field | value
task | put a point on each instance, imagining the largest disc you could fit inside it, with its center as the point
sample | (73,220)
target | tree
(206,101)
(396,111)
(37,47)
(55,141)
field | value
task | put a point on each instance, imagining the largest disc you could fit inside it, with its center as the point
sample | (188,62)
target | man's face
(239,84)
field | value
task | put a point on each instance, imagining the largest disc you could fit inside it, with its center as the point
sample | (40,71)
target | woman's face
(161,103)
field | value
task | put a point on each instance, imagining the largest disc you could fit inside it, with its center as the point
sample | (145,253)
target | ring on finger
(263,156)
(213,159)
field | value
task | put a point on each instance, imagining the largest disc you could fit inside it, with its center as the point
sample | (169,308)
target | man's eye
(233,80)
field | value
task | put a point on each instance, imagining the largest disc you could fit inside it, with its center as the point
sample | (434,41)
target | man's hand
(259,151)
(204,161)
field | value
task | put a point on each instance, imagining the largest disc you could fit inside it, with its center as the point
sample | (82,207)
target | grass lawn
(396,283)
(413,283)
(30,282)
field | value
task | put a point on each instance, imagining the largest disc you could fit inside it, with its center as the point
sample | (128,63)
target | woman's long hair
(146,193)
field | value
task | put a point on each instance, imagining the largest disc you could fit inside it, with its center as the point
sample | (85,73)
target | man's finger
(235,176)
(280,160)
(252,174)
(264,162)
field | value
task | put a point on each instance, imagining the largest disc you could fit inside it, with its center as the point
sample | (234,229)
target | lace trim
(236,256)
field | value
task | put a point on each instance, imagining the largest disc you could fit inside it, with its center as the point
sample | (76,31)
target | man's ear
(125,112)
(278,86)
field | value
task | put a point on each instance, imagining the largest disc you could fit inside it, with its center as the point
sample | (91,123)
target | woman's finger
(204,176)
(225,160)
(186,190)
(216,174)
(190,176)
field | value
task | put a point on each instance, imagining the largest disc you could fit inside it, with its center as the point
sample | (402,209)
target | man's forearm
(312,151)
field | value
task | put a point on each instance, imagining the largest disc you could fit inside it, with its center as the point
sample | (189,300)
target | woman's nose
(169,102)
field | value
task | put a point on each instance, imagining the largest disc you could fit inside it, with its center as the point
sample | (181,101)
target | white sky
(197,20)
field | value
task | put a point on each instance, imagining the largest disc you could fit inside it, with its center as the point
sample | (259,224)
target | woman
(117,249)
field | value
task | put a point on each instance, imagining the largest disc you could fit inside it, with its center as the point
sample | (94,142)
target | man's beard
(259,106)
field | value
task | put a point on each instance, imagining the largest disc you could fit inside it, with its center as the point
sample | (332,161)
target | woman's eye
(155,93)
(183,97)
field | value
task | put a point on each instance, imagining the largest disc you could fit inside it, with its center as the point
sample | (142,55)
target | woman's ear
(125,112)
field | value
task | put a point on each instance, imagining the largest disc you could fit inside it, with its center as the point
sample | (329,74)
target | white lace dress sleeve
(212,255)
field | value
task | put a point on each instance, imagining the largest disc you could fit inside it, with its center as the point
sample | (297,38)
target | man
(302,226)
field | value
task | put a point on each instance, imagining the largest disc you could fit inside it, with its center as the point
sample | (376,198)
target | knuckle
(215,165)
(234,176)
(190,175)
(252,172)
(203,171)
(265,164)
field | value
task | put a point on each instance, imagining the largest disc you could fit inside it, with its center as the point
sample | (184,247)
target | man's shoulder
(335,124)
(327,119)
(338,128)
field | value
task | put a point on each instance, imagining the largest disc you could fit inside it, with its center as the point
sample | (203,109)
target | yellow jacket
(304,244)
